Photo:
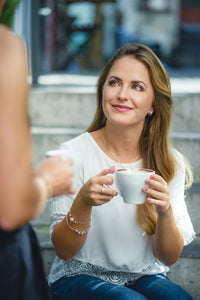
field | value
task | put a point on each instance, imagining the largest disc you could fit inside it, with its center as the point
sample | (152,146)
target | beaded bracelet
(76,230)
(46,181)
(72,219)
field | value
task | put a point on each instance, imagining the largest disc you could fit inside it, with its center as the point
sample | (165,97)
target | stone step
(45,138)
(75,107)
(186,111)
(62,107)
(185,272)
(188,143)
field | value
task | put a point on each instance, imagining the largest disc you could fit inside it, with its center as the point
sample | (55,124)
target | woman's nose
(123,93)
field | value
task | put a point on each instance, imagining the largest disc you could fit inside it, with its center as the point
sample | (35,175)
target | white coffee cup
(130,183)
(76,157)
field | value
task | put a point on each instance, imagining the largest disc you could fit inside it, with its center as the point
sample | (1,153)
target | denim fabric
(157,287)
(86,287)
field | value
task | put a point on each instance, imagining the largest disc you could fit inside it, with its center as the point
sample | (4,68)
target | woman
(125,251)
(24,191)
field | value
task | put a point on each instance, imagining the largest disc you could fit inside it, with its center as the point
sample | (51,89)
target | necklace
(113,155)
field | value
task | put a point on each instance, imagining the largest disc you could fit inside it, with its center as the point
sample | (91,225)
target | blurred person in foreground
(107,249)
(24,190)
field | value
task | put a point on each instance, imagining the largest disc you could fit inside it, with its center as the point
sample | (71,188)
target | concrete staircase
(59,113)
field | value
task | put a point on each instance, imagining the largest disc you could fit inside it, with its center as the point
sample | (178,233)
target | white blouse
(116,248)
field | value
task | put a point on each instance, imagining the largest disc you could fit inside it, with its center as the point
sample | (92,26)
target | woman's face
(1,5)
(128,93)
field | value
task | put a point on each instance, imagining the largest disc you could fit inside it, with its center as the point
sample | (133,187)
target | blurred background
(77,37)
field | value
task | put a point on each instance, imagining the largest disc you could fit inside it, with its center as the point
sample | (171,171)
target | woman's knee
(156,287)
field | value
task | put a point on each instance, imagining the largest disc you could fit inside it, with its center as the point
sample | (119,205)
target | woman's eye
(137,87)
(113,83)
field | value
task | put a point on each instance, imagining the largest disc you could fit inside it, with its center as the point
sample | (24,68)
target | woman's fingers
(158,193)
(111,170)
(102,180)
(157,182)
(96,190)
(102,177)
(59,173)
(102,191)
(107,191)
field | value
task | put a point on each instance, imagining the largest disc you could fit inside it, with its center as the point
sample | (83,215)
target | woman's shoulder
(77,143)
(180,160)
(14,70)
(178,157)
(5,32)
(9,39)
(12,53)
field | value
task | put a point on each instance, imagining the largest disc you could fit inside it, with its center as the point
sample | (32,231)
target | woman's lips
(122,108)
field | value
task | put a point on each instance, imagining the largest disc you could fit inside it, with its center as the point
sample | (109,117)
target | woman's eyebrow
(139,81)
(115,77)
(133,81)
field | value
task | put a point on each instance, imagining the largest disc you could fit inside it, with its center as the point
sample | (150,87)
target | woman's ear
(151,111)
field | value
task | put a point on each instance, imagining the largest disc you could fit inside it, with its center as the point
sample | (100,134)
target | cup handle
(114,183)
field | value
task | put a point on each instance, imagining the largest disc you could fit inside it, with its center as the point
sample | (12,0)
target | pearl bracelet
(72,220)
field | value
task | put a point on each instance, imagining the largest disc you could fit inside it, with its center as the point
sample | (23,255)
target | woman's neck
(121,143)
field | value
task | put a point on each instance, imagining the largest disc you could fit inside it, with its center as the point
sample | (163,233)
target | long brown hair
(155,145)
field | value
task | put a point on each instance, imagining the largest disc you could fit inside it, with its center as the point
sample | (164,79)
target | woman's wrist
(45,182)
(80,210)
(44,189)
(80,227)
(81,202)
(167,212)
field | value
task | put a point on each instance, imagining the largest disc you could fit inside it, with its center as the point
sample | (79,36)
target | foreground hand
(158,193)
(95,191)
(59,172)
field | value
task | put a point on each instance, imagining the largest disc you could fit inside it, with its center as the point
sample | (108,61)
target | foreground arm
(65,240)
(22,195)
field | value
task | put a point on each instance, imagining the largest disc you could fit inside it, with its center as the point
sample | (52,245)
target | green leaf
(8,12)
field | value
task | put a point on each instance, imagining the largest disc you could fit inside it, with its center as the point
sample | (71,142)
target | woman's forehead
(129,66)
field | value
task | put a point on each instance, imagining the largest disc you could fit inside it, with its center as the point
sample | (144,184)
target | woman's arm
(22,194)
(16,187)
(66,241)
(168,241)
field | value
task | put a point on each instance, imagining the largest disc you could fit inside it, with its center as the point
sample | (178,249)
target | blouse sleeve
(177,199)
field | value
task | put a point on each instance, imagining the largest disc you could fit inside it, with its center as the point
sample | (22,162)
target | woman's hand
(95,191)
(158,193)
(59,173)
